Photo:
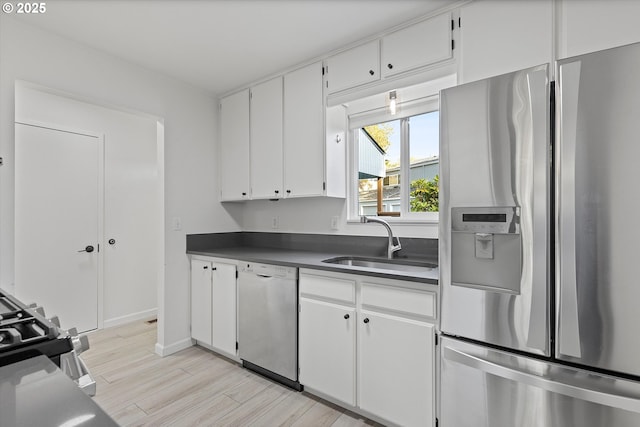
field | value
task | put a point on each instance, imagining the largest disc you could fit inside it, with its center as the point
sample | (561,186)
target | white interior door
(57,222)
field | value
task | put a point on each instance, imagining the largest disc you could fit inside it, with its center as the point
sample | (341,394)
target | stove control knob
(55,320)
(80,343)
(72,332)
(39,310)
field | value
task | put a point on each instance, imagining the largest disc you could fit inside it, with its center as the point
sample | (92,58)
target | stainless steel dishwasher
(268,321)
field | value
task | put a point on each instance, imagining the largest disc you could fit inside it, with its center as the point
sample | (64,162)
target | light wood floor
(193,387)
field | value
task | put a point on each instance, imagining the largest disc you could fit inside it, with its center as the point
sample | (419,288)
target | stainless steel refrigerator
(540,248)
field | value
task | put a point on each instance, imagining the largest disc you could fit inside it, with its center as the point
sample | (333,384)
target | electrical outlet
(176,223)
(334,222)
(275,222)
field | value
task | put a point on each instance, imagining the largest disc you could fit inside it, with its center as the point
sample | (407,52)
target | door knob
(87,249)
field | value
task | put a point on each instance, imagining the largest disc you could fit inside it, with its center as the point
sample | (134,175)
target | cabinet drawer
(399,300)
(328,288)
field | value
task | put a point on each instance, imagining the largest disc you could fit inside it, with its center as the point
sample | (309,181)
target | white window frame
(357,121)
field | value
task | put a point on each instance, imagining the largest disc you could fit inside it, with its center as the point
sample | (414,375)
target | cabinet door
(201,301)
(327,348)
(396,369)
(224,307)
(354,67)
(303,132)
(421,44)
(336,146)
(589,26)
(266,140)
(234,147)
(498,37)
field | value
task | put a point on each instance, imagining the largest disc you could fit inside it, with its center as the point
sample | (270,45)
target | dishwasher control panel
(268,270)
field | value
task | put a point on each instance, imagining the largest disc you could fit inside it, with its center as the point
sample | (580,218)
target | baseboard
(173,348)
(231,357)
(141,315)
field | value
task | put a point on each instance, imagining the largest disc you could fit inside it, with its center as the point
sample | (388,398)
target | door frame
(100,137)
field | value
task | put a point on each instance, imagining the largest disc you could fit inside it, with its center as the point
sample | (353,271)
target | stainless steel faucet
(391,248)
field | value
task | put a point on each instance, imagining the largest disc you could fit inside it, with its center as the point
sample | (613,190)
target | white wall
(27,53)
(314,216)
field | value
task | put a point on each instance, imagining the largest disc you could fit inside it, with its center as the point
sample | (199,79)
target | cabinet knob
(346,316)
(244,194)
(366,320)
(371,72)
(277,191)
(389,66)
(288,191)
(206,267)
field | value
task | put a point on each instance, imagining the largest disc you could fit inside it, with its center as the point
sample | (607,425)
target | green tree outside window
(424,195)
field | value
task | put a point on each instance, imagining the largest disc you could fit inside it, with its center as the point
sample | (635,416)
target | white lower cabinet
(369,343)
(201,301)
(213,303)
(396,366)
(327,350)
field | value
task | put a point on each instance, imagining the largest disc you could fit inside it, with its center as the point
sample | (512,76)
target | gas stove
(25,332)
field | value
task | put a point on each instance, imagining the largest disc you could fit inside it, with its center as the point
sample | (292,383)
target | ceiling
(221,45)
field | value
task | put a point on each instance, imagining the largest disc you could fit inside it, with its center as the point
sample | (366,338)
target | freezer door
(598,147)
(494,210)
(482,387)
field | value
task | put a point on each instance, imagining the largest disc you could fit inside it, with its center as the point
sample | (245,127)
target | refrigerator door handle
(538,231)
(568,324)
(621,401)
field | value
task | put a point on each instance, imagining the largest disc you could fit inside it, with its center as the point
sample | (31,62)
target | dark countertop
(313,260)
(35,392)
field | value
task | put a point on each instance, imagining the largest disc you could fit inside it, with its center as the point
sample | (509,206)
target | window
(398,165)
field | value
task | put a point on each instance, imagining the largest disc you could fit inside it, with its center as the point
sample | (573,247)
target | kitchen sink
(382,263)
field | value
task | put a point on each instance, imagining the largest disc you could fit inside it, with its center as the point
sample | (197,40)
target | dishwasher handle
(268,271)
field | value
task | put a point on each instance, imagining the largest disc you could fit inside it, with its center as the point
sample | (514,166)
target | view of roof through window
(380,166)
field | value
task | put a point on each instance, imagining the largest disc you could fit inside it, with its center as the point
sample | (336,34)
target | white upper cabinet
(354,67)
(304,154)
(418,45)
(499,36)
(266,140)
(234,147)
(588,26)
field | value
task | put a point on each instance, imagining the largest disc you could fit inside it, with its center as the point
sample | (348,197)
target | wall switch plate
(334,222)
(275,222)
(176,223)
